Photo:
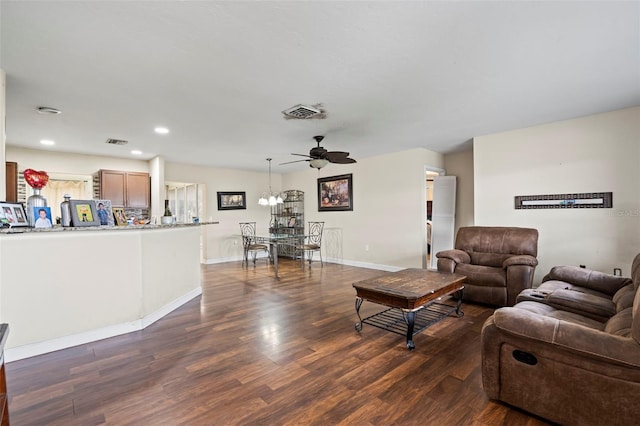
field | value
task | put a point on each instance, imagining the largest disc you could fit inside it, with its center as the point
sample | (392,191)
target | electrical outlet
(366,247)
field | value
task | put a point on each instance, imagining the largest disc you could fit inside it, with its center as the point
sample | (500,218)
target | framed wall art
(335,193)
(83,213)
(585,200)
(232,201)
(13,215)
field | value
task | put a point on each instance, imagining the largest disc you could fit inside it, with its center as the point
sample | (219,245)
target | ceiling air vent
(303,112)
(117,142)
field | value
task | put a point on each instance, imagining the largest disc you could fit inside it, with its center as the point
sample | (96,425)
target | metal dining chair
(313,242)
(249,245)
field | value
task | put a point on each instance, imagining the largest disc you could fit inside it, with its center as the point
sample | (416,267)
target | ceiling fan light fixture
(318,163)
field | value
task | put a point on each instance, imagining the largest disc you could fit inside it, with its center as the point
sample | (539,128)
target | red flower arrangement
(36,179)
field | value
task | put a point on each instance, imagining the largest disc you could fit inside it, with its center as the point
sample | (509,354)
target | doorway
(187,202)
(429,175)
(440,206)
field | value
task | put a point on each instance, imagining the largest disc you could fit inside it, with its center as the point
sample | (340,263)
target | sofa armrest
(521,259)
(585,341)
(458,256)
(594,280)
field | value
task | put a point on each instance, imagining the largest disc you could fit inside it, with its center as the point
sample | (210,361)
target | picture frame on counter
(105,213)
(119,216)
(42,217)
(83,213)
(13,215)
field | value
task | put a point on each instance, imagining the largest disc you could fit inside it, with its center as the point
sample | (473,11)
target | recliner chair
(498,262)
(553,358)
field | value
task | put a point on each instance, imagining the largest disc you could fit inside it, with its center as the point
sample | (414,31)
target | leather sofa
(499,262)
(563,357)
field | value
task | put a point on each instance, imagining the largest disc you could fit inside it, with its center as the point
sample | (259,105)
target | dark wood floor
(258,351)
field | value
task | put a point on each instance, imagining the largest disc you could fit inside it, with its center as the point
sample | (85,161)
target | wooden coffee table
(414,297)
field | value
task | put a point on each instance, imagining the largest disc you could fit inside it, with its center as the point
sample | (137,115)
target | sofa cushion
(620,323)
(480,275)
(624,297)
(559,314)
(488,259)
(553,285)
(583,303)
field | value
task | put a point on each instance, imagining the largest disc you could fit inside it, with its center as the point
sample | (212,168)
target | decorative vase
(36,200)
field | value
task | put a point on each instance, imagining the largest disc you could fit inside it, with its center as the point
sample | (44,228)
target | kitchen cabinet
(125,189)
(11,169)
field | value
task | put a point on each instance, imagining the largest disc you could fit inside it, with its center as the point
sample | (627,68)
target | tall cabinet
(288,218)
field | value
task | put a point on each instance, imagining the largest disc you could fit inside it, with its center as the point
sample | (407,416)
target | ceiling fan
(320,157)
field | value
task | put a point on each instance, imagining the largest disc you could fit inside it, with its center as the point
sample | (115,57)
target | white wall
(220,243)
(3,136)
(460,164)
(389,209)
(596,153)
(64,162)
(388,215)
(61,289)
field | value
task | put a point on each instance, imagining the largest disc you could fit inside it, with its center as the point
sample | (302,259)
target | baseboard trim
(34,349)
(367,265)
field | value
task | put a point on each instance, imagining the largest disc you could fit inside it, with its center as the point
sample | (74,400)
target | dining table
(276,240)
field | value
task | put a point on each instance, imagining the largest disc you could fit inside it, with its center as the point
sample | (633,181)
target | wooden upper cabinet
(138,190)
(112,187)
(125,189)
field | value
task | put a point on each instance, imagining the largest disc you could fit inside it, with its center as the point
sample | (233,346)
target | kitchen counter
(61,287)
(58,228)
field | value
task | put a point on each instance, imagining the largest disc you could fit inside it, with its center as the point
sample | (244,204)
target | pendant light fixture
(271,199)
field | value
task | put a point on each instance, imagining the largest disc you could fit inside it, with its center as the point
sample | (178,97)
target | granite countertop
(58,228)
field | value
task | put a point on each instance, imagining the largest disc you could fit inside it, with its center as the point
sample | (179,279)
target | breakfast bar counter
(62,287)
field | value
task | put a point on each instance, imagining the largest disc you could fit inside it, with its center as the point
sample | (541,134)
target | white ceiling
(391,75)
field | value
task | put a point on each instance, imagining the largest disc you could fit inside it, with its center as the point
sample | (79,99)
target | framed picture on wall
(335,193)
(83,213)
(232,200)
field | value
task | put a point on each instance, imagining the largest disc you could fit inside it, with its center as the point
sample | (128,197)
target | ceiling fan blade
(342,160)
(302,155)
(339,157)
(289,162)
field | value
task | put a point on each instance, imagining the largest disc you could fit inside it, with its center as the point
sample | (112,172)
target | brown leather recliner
(498,262)
(563,365)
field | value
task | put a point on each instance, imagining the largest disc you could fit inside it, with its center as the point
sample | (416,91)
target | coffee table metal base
(409,322)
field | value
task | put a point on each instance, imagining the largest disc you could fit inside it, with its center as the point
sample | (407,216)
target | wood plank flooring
(253,350)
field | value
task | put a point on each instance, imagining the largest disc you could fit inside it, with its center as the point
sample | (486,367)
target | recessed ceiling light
(161,130)
(47,142)
(136,152)
(48,110)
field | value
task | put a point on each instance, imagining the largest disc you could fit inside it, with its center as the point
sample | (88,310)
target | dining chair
(249,245)
(313,242)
